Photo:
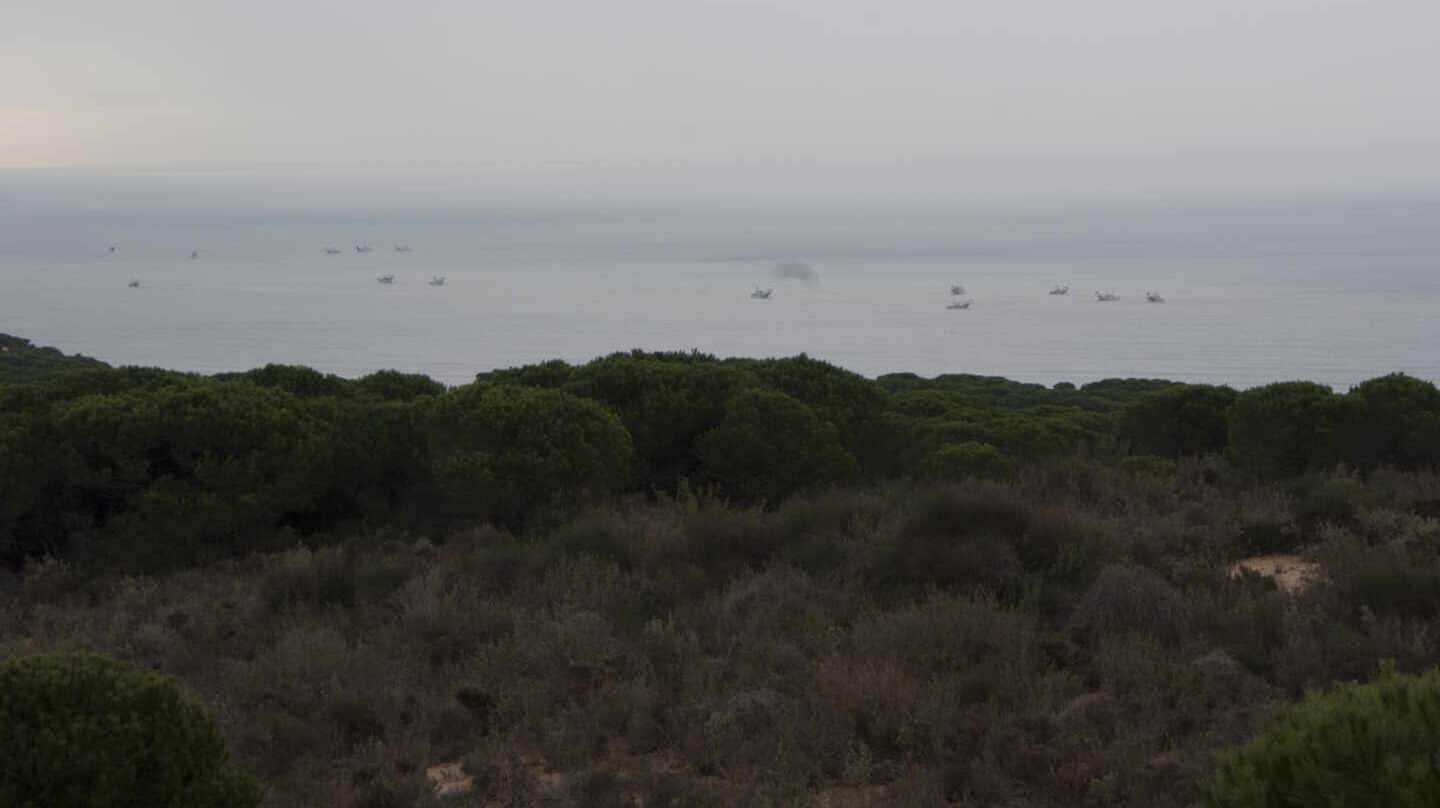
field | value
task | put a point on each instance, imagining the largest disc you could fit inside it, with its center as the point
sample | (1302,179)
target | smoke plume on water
(796,271)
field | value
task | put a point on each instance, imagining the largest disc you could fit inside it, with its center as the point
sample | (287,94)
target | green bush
(1401,421)
(769,445)
(1357,745)
(1337,500)
(960,538)
(392,385)
(167,473)
(853,403)
(1282,429)
(1177,421)
(1031,434)
(297,380)
(666,401)
(1390,581)
(499,451)
(84,731)
(970,459)
(22,362)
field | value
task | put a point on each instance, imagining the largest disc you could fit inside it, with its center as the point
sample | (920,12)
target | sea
(1333,294)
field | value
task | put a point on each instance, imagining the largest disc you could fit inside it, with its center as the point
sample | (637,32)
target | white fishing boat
(438,280)
(194,254)
(960,304)
(761,294)
(363,248)
(1153,297)
(1106,297)
(332,250)
(402,248)
(1060,290)
(385,279)
(134,283)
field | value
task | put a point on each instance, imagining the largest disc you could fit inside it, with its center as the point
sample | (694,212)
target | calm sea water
(522,293)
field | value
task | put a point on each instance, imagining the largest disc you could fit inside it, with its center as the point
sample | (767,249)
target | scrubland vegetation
(668,579)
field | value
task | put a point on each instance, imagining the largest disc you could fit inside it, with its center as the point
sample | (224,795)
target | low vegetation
(669,579)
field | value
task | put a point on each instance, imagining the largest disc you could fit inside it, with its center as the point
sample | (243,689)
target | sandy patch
(1291,573)
(449,779)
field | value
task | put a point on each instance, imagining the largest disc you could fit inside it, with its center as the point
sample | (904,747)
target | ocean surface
(1240,309)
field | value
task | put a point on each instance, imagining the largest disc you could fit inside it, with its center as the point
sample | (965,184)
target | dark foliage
(21,361)
(1177,421)
(84,731)
(1286,428)
(676,579)
(1356,745)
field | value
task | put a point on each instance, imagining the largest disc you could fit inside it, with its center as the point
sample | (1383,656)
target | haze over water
(1331,294)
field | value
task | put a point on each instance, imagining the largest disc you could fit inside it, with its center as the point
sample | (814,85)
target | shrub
(1280,428)
(1401,421)
(1357,745)
(499,451)
(949,635)
(297,380)
(666,401)
(1390,580)
(1128,599)
(851,402)
(392,385)
(1150,466)
(770,445)
(969,459)
(1337,500)
(961,537)
(1177,421)
(204,466)
(84,731)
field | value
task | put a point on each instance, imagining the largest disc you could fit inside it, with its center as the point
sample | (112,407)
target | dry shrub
(305,579)
(1128,599)
(1266,523)
(877,695)
(779,604)
(951,634)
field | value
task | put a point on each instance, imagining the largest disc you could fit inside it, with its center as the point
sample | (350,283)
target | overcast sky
(904,99)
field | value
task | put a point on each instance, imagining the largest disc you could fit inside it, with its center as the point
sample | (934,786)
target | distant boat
(385,279)
(194,254)
(332,251)
(134,283)
(1106,297)
(761,294)
(1060,290)
(957,289)
(363,248)
(438,280)
(112,249)
(960,304)
(1153,297)
(402,248)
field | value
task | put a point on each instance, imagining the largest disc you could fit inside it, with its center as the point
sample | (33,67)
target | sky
(900,100)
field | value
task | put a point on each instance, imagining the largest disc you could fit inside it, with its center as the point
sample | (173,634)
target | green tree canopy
(392,385)
(1177,421)
(1282,428)
(1354,746)
(1401,420)
(769,444)
(500,450)
(83,731)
